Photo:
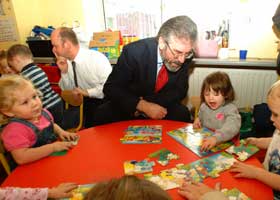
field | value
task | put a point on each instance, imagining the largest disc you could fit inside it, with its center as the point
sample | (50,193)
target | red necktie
(162,78)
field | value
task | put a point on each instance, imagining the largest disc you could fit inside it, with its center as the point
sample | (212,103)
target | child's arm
(231,126)
(61,191)
(260,174)
(197,123)
(27,155)
(64,135)
(262,143)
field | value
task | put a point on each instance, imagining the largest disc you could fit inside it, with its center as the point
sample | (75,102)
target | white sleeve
(102,69)
(13,193)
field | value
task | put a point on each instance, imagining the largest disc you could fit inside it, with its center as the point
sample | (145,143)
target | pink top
(13,193)
(17,135)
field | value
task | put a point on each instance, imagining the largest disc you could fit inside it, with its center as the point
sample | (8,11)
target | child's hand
(68,136)
(196,123)
(252,140)
(194,190)
(208,143)
(244,170)
(62,190)
(60,146)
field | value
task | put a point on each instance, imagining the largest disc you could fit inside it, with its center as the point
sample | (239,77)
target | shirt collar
(159,59)
(79,56)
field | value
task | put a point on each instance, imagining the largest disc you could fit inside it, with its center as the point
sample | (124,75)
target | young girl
(217,111)
(271,174)
(30,133)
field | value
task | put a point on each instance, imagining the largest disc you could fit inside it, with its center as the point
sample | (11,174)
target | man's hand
(152,110)
(79,91)
(62,64)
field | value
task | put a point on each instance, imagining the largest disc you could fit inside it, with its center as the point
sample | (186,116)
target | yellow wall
(44,13)
(55,12)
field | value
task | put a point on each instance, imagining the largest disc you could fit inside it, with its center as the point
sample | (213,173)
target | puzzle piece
(243,151)
(192,139)
(142,135)
(235,194)
(80,192)
(168,179)
(138,167)
(163,156)
(75,141)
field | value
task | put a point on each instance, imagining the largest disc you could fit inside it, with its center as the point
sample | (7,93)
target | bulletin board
(9,32)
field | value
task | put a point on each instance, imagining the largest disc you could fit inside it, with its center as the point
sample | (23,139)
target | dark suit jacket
(134,76)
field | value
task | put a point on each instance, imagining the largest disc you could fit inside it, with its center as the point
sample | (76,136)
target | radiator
(251,86)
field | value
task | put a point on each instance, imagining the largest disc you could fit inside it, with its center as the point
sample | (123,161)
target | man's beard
(171,68)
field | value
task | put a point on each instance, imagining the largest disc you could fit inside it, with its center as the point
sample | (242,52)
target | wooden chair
(3,159)
(195,102)
(73,100)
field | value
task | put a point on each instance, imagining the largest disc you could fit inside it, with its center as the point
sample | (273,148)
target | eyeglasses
(177,55)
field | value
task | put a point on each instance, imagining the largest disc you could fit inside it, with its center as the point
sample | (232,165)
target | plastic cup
(242,54)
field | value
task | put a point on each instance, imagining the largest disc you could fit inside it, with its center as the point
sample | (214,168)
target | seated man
(83,71)
(150,78)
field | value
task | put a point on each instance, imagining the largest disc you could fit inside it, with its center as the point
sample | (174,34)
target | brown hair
(19,49)
(219,82)
(128,187)
(68,34)
(3,54)
(180,27)
(9,85)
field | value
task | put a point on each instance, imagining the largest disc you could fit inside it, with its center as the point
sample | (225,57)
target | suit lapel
(152,64)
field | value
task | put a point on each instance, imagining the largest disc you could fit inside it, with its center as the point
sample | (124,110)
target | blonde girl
(30,133)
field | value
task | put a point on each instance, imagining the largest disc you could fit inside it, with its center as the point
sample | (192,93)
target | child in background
(4,67)
(128,187)
(20,60)
(271,174)
(61,191)
(217,112)
(30,133)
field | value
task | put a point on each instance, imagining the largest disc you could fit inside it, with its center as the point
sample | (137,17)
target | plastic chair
(195,102)
(3,159)
(72,100)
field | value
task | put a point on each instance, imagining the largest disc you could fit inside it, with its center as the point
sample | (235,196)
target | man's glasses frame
(177,55)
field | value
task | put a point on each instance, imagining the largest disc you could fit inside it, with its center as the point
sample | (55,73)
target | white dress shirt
(92,69)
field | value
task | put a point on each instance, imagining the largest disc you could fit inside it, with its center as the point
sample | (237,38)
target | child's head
(18,56)
(4,67)
(19,98)
(127,188)
(216,90)
(273,101)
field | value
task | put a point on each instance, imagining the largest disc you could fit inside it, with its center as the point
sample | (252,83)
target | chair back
(195,102)
(74,100)
(70,98)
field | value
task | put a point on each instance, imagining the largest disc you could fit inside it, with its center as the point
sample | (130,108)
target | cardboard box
(207,49)
(107,43)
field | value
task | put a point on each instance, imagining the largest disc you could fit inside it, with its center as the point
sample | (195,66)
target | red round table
(100,155)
